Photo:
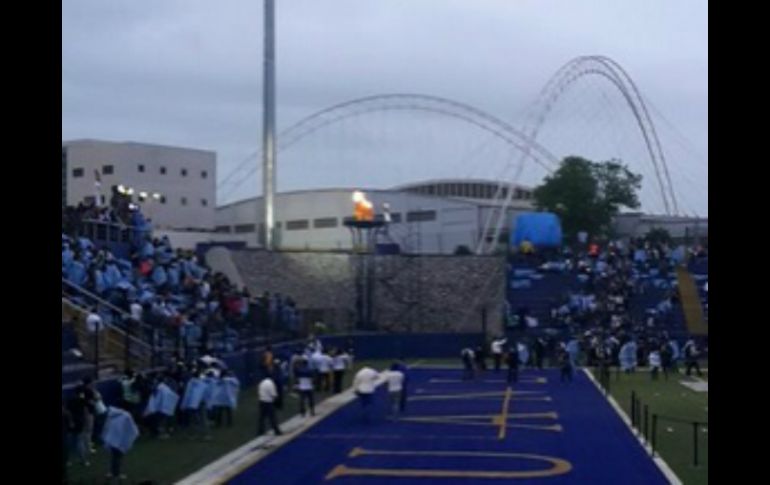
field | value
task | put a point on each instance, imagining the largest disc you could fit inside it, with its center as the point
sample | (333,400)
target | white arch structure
(524,140)
(571,72)
(295,133)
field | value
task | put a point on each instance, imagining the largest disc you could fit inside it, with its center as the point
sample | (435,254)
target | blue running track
(453,433)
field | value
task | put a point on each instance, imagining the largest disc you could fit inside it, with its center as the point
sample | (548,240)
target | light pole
(268,124)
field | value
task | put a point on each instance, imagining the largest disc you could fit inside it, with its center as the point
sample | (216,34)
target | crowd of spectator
(173,298)
(602,313)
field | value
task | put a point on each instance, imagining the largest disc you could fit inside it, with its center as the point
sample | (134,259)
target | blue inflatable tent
(543,229)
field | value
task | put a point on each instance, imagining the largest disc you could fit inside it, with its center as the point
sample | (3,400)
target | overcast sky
(188,72)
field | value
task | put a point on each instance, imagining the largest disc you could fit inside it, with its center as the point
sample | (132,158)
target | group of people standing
(188,397)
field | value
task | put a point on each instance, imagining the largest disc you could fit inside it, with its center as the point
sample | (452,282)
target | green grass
(674,439)
(166,461)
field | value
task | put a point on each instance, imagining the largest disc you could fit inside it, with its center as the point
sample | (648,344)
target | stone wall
(411,293)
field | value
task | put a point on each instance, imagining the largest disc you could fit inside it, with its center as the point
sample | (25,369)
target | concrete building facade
(184,179)
(434,217)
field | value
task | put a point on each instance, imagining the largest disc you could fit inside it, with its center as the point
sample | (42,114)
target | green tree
(587,195)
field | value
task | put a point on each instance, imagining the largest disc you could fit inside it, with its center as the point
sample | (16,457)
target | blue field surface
(453,432)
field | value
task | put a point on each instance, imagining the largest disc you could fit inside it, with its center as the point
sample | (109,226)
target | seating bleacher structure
(154,273)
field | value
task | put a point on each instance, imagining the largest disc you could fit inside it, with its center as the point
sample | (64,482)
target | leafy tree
(587,195)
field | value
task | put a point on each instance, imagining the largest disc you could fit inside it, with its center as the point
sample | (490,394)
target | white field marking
(660,462)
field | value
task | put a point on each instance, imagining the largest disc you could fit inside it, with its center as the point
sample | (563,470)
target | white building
(183,178)
(427,217)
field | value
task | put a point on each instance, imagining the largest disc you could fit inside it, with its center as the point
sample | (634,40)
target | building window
(420,216)
(297,225)
(108,170)
(222,229)
(184,172)
(204,174)
(163,170)
(325,222)
(184,200)
(243,228)
(395,217)
(141,168)
(204,202)
(77,172)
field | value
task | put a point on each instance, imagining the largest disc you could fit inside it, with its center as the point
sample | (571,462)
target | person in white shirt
(315,361)
(497,351)
(339,364)
(267,396)
(395,380)
(304,378)
(364,384)
(655,363)
(324,366)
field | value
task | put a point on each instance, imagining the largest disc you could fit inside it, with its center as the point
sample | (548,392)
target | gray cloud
(188,72)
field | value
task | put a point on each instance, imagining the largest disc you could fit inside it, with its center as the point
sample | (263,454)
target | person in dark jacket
(512,360)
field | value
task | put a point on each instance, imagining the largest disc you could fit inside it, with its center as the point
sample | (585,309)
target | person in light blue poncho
(160,407)
(627,356)
(225,398)
(193,403)
(118,436)
(76,273)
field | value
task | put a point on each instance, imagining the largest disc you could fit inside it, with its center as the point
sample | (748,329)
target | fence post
(633,409)
(646,417)
(654,432)
(695,443)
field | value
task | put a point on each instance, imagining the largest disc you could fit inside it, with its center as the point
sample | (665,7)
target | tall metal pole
(268,125)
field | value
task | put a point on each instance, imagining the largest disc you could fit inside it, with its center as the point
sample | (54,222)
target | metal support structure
(268,125)
(364,236)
